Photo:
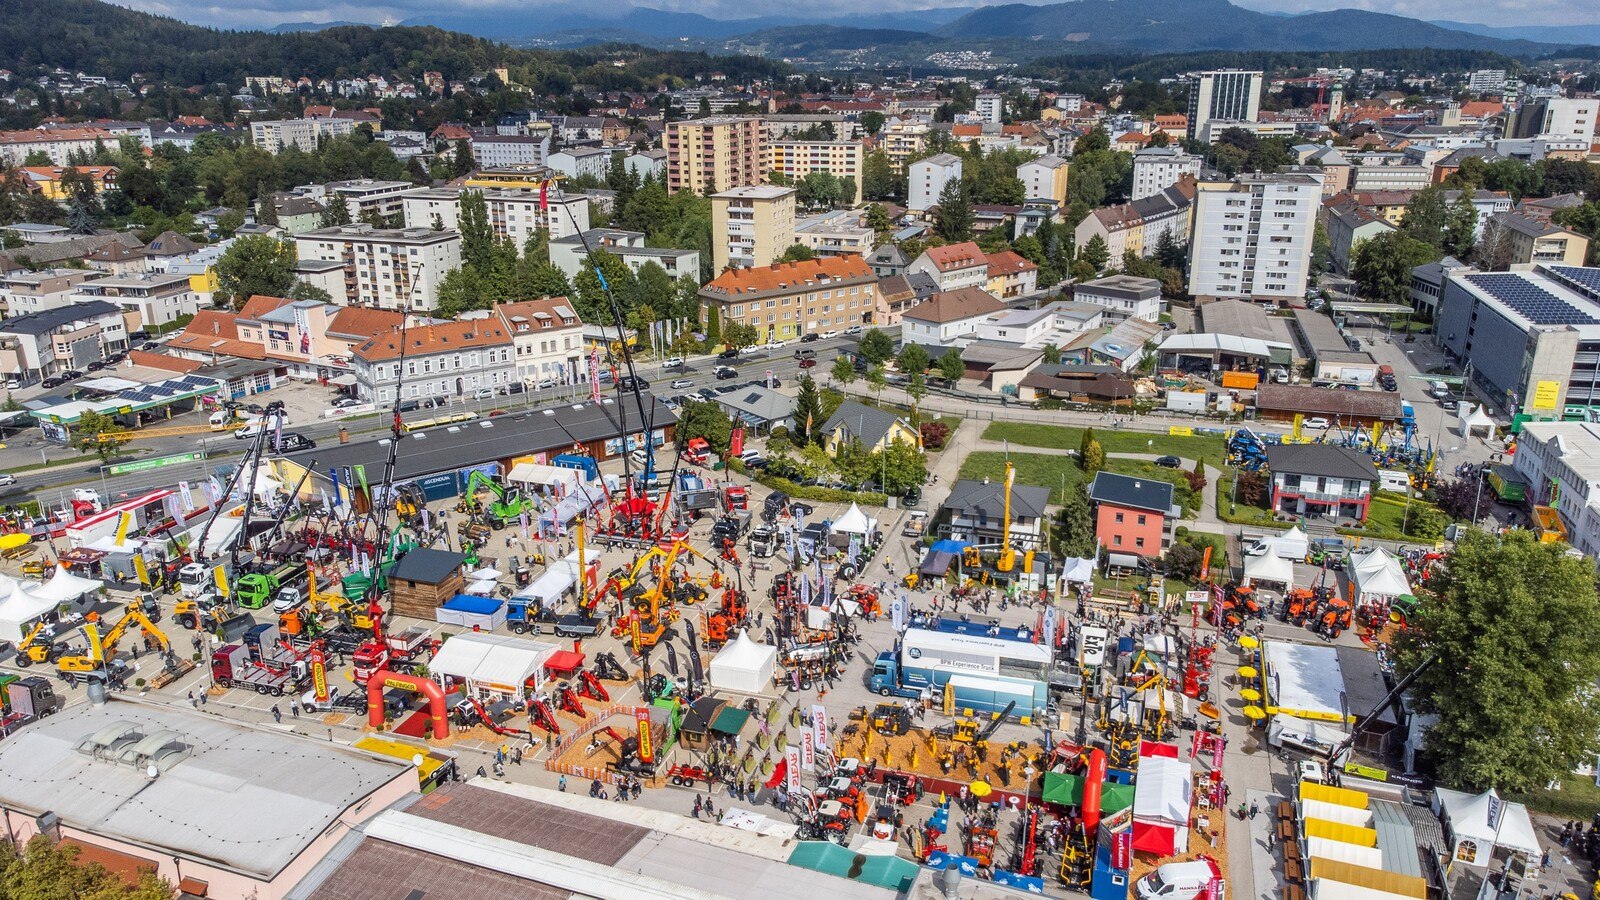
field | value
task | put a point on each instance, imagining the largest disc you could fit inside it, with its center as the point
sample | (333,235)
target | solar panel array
(1586,278)
(161,390)
(1530,301)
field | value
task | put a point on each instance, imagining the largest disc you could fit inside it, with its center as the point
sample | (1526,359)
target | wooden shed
(424,579)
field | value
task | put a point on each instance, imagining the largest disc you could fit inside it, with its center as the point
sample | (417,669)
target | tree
(877,380)
(1095,253)
(86,436)
(1460,499)
(878,181)
(901,466)
(797,253)
(1159,139)
(1513,626)
(461,158)
(1426,216)
(1460,228)
(843,371)
(1382,266)
(916,389)
(1090,456)
(1252,488)
(1321,250)
(876,346)
(955,212)
(807,412)
(872,122)
(713,326)
(1425,523)
(50,869)
(704,419)
(1093,140)
(256,264)
(951,366)
(878,218)
(266,211)
(739,335)
(1495,250)
(913,360)
(1074,526)
(934,435)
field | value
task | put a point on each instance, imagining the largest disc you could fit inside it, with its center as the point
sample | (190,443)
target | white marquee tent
(1476,420)
(1269,567)
(20,608)
(66,587)
(1478,824)
(1378,575)
(1161,799)
(494,666)
(854,521)
(558,477)
(1076,570)
(744,666)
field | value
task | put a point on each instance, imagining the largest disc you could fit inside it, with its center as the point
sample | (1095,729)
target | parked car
(672,362)
(149,345)
(515,387)
(749,351)
(483,393)
(853,329)
(679,384)
(1169,462)
(545,385)
(72,374)
(13,383)
(1315,423)
(912,496)
(347,402)
(830,334)
(774,344)
(294,442)
(630,383)
(808,337)
(6,479)
(97,365)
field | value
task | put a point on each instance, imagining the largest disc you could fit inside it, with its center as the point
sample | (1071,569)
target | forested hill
(102,39)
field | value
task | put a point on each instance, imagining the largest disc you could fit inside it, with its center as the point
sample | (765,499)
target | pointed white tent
(1269,567)
(1074,569)
(854,521)
(66,587)
(19,609)
(744,666)
(1476,420)
(1378,575)
(1480,823)
(1292,544)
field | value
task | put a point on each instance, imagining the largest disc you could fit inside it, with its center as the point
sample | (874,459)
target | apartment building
(511,149)
(547,340)
(1559,118)
(1140,226)
(903,139)
(751,226)
(792,299)
(152,299)
(1519,240)
(302,134)
(452,359)
(68,337)
(1252,237)
(581,162)
(23,293)
(782,126)
(926,180)
(836,233)
(797,159)
(390,268)
(714,154)
(569,255)
(513,214)
(991,108)
(953,266)
(367,197)
(1157,168)
(1231,94)
(60,144)
(1045,178)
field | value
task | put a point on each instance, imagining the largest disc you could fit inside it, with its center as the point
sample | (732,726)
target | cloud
(267,13)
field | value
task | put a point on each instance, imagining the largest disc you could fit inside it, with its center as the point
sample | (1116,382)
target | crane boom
(113,437)
(1007,559)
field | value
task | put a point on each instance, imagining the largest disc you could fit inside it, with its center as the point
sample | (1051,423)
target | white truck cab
(1176,881)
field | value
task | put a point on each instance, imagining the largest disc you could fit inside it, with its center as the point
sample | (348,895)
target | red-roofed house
(948,318)
(213,336)
(1011,275)
(953,266)
(788,300)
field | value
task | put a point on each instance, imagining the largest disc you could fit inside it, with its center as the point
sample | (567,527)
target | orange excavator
(719,624)
(569,701)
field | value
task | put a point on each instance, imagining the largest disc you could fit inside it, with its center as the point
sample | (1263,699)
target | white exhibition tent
(558,477)
(1292,544)
(1269,567)
(1478,824)
(1161,798)
(66,587)
(576,503)
(20,608)
(1378,575)
(1476,420)
(557,579)
(744,666)
(492,665)
(854,521)
(1074,569)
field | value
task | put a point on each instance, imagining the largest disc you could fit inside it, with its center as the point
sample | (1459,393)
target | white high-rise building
(926,178)
(1252,237)
(1560,118)
(390,268)
(1157,168)
(1223,94)
(991,108)
(515,215)
(1485,81)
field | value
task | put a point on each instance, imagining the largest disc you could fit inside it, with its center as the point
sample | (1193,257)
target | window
(1141,518)
(1138,542)
(1119,518)
(1116,540)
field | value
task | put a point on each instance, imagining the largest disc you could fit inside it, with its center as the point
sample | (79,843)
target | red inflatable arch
(383,678)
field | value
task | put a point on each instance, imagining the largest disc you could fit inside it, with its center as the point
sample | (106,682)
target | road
(54,485)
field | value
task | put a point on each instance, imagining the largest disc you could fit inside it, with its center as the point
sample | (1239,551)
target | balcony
(1327,496)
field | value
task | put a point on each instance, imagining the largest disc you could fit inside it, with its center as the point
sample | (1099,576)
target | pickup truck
(519,620)
(916,522)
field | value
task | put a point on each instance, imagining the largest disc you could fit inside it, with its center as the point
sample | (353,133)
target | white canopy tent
(20,609)
(1477,825)
(744,666)
(1476,420)
(558,477)
(854,521)
(66,587)
(1161,797)
(494,666)
(557,579)
(1269,567)
(1378,575)
(1292,544)
(1077,570)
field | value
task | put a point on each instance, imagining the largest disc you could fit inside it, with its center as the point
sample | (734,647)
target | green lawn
(1211,448)
(1239,512)
(1577,798)
(1062,472)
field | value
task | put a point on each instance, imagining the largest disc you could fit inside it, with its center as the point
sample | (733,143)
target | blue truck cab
(886,678)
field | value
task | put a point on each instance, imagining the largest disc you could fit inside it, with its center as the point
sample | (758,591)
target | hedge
(821,494)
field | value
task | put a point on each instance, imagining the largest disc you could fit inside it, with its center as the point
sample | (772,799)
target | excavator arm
(133,616)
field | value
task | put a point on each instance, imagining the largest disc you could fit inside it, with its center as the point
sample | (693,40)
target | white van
(221,419)
(1176,881)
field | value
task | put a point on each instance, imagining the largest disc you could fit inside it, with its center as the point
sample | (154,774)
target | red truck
(698,451)
(397,652)
(233,666)
(735,497)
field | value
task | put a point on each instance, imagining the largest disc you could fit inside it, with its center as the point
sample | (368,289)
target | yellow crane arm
(109,437)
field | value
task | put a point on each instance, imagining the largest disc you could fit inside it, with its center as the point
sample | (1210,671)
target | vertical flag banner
(791,775)
(819,724)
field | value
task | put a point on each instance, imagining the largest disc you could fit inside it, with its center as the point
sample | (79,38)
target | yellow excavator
(93,663)
(34,650)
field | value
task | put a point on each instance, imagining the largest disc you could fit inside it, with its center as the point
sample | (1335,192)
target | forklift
(891,719)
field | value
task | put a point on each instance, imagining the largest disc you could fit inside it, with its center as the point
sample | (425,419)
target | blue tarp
(473,604)
(948,546)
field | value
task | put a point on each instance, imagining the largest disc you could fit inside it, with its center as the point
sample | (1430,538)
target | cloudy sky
(266,13)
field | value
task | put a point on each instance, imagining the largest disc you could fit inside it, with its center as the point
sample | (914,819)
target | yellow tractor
(33,649)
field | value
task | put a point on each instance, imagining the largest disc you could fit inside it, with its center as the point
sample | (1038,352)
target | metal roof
(245,799)
(1135,493)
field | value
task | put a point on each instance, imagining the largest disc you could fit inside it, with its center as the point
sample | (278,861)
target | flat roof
(246,799)
(1245,320)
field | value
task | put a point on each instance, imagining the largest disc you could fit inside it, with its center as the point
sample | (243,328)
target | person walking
(561,784)
(294,708)
(277,715)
